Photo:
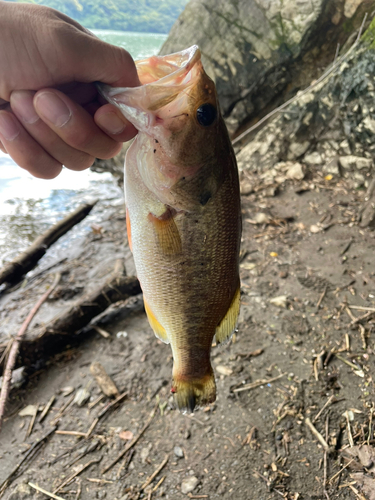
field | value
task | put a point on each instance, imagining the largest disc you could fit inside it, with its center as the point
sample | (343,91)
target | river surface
(28,206)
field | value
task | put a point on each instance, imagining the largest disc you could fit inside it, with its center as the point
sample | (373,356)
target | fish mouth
(164,93)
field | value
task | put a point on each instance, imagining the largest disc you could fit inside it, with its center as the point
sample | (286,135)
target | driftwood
(24,262)
(92,304)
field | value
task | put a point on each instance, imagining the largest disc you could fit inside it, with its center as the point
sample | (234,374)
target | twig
(362,308)
(158,484)
(79,489)
(45,492)
(125,464)
(361,318)
(158,469)
(325,461)
(352,365)
(102,332)
(331,400)
(321,297)
(32,422)
(62,410)
(258,383)
(92,427)
(363,336)
(46,409)
(350,437)
(316,433)
(79,471)
(71,433)
(11,362)
(342,469)
(132,443)
(336,64)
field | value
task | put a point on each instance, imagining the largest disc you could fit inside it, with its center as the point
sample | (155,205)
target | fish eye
(206,114)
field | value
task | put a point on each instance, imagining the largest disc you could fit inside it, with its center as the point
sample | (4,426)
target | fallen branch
(155,473)
(90,305)
(11,362)
(24,262)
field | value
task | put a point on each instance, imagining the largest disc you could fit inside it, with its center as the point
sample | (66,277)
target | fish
(183,215)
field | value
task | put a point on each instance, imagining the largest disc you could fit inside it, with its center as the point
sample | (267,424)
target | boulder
(260,52)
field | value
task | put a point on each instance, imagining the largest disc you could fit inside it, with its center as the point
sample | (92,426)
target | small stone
(144,454)
(178,451)
(296,171)
(28,411)
(369,125)
(189,484)
(261,218)
(297,149)
(246,188)
(101,494)
(283,274)
(81,397)
(224,370)
(22,492)
(280,301)
(187,434)
(313,159)
(65,391)
(314,228)
(351,161)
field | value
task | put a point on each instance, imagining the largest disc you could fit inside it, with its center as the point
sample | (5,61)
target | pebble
(178,451)
(189,484)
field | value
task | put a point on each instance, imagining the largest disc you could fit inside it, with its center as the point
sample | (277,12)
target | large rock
(259,52)
(329,127)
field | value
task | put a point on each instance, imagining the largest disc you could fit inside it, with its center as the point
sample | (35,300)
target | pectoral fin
(167,232)
(155,325)
(226,328)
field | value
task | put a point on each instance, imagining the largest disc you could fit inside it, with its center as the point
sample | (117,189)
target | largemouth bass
(183,214)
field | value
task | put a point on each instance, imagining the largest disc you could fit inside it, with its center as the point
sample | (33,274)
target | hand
(60,119)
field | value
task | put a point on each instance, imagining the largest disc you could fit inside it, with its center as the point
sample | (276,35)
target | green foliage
(155,16)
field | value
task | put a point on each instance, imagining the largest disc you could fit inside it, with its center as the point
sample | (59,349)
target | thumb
(95,60)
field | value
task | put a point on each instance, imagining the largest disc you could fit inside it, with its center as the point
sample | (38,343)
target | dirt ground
(305,267)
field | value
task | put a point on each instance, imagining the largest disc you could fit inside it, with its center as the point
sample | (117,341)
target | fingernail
(52,108)
(9,128)
(22,103)
(111,123)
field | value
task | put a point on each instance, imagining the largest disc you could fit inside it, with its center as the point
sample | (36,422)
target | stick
(362,308)
(158,469)
(12,358)
(46,409)
(132,443)
(51,495)
(23,263)
(258,383)
(79,471)
(71,433)
(331,400)
(317,434)
(321,297)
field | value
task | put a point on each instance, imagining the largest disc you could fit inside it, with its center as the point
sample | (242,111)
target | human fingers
(2,148)
(23,107)
(107,116)
(24,150)
(74,125)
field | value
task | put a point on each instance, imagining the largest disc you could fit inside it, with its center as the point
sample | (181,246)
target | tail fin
(192,393)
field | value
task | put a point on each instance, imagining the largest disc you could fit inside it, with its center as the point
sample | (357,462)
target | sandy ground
(300,355)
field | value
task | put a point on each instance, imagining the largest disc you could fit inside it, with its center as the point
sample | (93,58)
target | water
(28,206)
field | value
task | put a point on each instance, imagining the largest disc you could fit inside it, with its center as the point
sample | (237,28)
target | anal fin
(226,328)
(155,325)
